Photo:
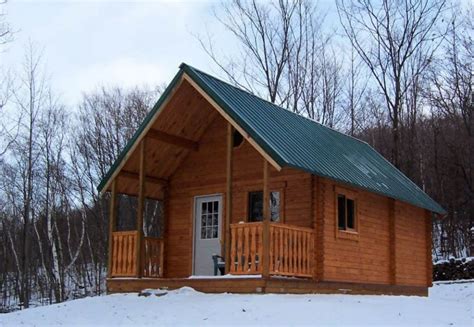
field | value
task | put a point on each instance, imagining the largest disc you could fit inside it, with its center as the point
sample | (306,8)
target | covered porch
(146,171)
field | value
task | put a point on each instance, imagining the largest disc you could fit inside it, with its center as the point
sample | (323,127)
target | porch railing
(124,260)
(291,249)
(153,255)
(124,255)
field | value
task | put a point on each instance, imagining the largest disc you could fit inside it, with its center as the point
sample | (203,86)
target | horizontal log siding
(358,258)
(410,245)
(203,172)
(366,257)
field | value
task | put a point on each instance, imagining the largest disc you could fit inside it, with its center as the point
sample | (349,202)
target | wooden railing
(246,248)
(124,260)
(291,249)
(153,255)
(124,255)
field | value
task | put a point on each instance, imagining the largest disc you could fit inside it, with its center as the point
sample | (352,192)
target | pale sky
(90,43)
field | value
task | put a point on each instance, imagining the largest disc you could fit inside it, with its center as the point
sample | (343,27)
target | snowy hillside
(448,304)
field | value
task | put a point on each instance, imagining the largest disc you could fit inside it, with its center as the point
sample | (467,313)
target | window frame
(280,190)
(350,233)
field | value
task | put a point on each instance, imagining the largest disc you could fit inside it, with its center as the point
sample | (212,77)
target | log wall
(362,257)
(366,256)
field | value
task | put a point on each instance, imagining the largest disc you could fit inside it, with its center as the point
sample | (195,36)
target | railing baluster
(253,248)
(291,249)
(246,250)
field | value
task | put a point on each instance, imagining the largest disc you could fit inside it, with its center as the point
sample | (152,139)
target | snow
(447,305)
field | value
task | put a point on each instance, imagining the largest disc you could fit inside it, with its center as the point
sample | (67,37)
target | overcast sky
(91,43)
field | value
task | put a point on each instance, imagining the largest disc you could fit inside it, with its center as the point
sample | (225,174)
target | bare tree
(264,34)
(29,99)
(451,95)
(5,30)
(390,36)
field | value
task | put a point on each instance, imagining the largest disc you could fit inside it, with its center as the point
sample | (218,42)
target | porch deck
(260,285)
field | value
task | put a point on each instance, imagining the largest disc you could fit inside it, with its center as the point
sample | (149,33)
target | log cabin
(278,202)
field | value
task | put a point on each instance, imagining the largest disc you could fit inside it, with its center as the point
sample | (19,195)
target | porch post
(228,198)
(164,254)
(112,220)
(266,221)
(141,205)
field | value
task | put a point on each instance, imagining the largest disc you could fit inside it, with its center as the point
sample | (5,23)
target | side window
(346,213)
(275,206)
(255,205)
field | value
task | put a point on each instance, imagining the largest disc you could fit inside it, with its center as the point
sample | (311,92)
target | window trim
(347,233)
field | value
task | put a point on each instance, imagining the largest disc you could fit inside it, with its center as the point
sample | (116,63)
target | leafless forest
(397,74)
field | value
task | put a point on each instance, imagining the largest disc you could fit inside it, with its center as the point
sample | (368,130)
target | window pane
(215,219)
(275,206)
(341,211)
(203,233)
(209,220)
(238,139)
(216,206)
(214,232)
(350,214)
(204,207)
(255,206)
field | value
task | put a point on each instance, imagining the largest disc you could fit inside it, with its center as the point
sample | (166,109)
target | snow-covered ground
(447,304)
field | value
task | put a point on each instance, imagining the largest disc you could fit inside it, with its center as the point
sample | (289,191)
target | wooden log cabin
(288,205)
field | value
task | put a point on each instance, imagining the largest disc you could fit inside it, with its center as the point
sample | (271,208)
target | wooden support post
(140,211)
(392,247)
(320,226)
(429,254)
(228,198)
(313,215)
(165,230)
(266,221)
(112,222)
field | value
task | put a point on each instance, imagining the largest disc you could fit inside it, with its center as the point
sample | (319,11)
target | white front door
(207,232)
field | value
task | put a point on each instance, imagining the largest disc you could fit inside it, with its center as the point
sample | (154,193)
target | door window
(209,220)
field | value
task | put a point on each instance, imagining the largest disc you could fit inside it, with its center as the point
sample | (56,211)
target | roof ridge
(273,104)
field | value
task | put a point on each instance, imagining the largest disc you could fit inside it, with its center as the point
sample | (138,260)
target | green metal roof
(295,141)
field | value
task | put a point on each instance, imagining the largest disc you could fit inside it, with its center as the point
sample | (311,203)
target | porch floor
(257,284)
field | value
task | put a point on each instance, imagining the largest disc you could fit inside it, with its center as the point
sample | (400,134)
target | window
(209,220)
(255,212)
(237,139)
(346,215)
